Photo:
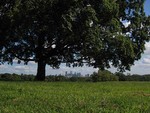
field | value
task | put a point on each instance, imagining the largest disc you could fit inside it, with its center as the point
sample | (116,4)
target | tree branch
(24,59)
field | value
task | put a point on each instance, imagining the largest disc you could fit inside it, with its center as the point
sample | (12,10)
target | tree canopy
(73,32)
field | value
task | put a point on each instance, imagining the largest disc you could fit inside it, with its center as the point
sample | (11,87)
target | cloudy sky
(141,67)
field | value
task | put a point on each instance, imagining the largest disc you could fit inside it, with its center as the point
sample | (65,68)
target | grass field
(75,97)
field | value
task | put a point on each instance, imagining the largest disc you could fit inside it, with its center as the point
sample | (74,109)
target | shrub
(10,77)
(121,76)
(103,75)
(27,77)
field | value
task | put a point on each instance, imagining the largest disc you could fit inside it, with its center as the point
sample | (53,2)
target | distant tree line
(118,76)
(16,77)
(134,77)
(31,77)
(99,76)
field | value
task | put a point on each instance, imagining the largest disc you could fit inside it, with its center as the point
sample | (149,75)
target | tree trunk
(41,71)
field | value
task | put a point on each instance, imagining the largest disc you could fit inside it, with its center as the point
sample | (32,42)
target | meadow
(74,97)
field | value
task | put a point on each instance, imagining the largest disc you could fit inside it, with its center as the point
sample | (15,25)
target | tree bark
(41,71)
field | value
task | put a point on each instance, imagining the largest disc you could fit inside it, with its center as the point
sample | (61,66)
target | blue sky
(141,67)
(147,7)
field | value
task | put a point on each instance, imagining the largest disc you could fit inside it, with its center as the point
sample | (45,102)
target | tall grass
(77,97)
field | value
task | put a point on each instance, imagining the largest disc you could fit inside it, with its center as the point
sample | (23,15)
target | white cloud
(146,61)
(33,63)
(6,68)
(21,67)
(147,51)
(126,23)
(3,67)
(147,45)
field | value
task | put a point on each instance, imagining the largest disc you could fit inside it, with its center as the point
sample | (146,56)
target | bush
(54,78)
(103,75)
(80,79)
(27,77)
(16,77)
(60,78)
(121,76)
(95,77)
(9,77)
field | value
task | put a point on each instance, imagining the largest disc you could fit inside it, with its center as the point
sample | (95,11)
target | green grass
(78,97)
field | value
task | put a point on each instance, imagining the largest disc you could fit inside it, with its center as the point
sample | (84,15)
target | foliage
(52,78)
(80,79)
(25,77)
(121,76)
(134,77)
(16,77)
(9,77)
(73,32)
(95,77)
(138,78)
(103,75)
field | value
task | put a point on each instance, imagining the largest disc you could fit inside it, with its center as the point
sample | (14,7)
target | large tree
(73,32)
